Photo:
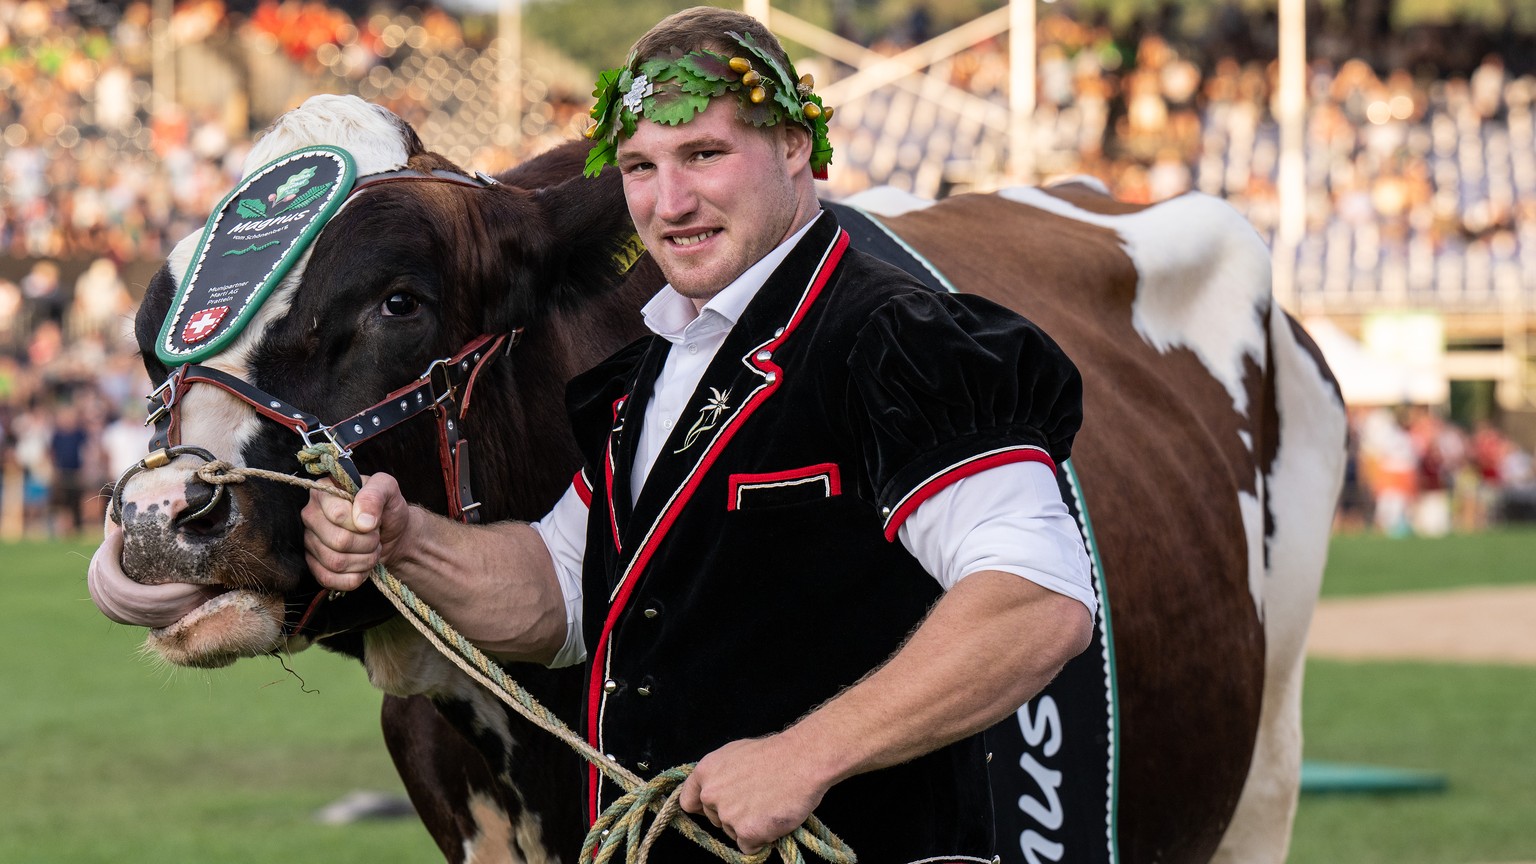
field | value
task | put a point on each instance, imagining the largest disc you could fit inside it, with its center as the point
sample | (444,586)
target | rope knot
(320,460)
(219,473)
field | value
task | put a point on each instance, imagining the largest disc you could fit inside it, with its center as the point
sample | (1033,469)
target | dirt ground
(1465,625)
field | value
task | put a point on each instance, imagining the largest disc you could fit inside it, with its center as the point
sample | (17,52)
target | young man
(818,544)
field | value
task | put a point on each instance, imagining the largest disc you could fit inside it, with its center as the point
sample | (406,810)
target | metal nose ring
(159,459)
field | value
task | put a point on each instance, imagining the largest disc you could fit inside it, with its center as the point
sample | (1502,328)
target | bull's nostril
(206,511)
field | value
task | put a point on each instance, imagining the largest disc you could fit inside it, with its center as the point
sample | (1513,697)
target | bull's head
(405,273)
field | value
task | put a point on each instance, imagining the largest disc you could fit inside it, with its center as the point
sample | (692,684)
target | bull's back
(1168,459)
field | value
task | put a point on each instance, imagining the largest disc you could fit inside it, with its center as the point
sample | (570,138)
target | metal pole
(1292,106)
(509,70)
(1021,89)
(835,47)
(162,70)
(758,9)
(915,59)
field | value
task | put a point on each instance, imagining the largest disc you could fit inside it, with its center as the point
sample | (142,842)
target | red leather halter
(444,389)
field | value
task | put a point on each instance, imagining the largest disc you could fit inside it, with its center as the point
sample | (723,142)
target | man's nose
(675,198)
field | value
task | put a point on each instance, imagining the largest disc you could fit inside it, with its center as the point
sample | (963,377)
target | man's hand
(128,602)
(756,790)
(343,540)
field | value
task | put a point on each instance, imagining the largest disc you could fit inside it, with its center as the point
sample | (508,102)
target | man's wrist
(405,551)
(827,759)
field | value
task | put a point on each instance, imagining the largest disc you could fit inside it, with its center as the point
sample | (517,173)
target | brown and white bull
(1211,455)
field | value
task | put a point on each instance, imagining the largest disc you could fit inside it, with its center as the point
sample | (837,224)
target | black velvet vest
(755,576)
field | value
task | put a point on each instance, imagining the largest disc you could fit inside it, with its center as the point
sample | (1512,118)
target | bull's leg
(1302,489)
(448,782)
(491,788)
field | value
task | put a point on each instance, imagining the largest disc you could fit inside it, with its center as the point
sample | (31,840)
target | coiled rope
(624,820)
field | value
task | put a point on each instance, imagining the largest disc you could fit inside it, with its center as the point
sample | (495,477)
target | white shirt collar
(669,314)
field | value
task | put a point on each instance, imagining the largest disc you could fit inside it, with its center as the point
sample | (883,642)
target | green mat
(1340,777)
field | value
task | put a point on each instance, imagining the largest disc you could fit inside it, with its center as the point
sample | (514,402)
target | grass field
(106,757)
(1373,564)
(1471,724)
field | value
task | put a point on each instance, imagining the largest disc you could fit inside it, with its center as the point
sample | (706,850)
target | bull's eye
(399,305)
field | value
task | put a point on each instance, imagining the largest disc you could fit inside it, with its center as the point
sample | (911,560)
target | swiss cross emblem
(202,324)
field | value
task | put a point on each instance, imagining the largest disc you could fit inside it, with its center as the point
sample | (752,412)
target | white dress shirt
(1009,518)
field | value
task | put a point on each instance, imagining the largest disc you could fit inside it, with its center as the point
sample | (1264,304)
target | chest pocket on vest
(778,488)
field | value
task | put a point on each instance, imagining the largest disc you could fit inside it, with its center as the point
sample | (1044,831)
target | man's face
(712,196)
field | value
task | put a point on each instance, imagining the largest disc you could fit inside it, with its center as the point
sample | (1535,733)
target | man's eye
(400,305)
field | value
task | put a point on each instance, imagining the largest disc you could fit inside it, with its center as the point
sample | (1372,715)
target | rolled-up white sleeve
(564,530)
(1009,518)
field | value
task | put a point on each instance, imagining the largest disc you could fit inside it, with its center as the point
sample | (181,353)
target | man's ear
(797,146)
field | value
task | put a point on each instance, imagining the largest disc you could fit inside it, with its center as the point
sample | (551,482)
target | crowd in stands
(1417,182)
(71,408)
(1411,472)
(1419,187)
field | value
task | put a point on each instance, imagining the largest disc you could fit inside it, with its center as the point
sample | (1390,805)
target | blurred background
(1395,178)
(1385,149)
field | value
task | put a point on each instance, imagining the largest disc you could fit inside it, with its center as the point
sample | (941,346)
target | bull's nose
(204,510)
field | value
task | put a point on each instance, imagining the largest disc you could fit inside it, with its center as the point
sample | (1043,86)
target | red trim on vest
(643,556)
(613,511)
(583,488)
(827,470)
(959,472)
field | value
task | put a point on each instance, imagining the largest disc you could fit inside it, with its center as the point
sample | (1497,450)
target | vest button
(610,685)
(651,612)
(643,766)
(643,691)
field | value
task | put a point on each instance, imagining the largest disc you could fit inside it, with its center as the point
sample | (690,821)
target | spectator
(101,301)
(67,452)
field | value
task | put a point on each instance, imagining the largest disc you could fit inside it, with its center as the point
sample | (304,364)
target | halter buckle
(155,395)
(446,391)
(329,433)
(167,384)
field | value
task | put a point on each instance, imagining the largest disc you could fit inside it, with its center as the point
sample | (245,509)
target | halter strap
(478,180)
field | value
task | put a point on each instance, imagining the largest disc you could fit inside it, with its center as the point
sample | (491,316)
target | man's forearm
(992,643)
(495,584)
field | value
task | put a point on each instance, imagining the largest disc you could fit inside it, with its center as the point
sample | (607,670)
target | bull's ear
(594,242)
(150,317)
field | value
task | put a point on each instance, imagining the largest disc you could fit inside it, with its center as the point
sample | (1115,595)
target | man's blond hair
(705,27)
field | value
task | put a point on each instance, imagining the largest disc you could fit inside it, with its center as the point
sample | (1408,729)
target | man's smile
(693,239)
